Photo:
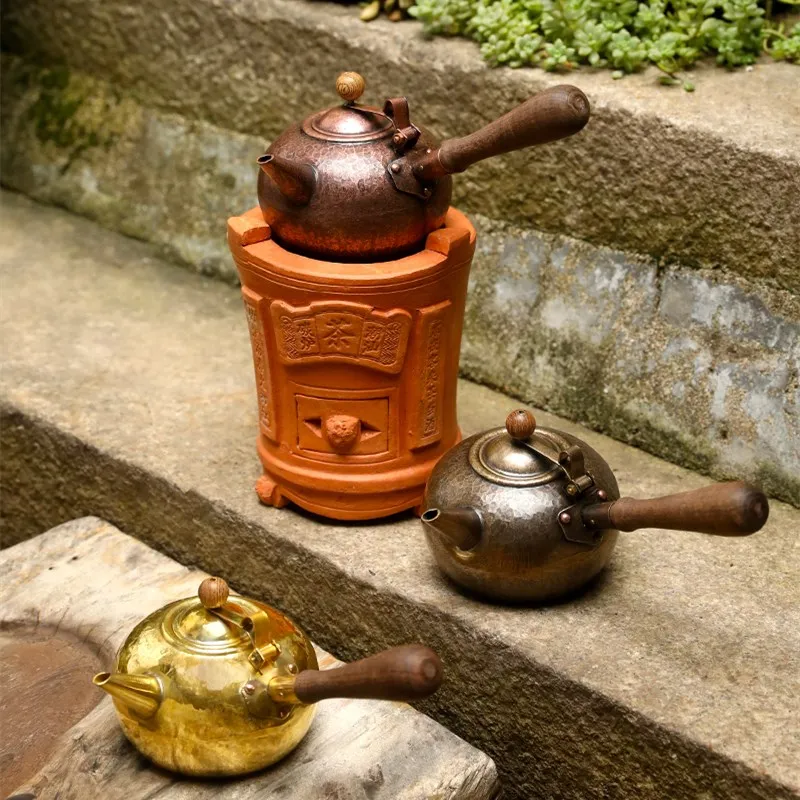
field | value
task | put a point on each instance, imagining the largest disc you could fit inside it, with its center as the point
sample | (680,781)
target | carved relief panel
(344,332)
(429,380)
(266,415)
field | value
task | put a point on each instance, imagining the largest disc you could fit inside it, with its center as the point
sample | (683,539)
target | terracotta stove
(356,368)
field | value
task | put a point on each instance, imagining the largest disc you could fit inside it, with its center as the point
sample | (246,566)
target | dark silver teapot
(532,514)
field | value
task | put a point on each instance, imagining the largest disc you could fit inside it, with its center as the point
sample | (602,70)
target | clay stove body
(356,368)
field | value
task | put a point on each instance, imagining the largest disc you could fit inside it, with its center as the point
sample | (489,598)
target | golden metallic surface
(281,689)
(141,694)
(205,723)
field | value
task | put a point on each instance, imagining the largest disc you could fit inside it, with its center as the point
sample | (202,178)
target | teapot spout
(142,694)
(461,527)
(296,182)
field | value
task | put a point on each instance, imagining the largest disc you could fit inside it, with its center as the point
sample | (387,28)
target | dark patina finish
(356,183)
(532,514)
(521,552)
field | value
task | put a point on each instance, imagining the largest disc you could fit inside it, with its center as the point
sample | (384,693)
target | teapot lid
(349,123)
(213,624)
(521,455)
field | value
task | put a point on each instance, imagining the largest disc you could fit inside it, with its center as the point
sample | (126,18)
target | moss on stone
(64,112)
(778,483)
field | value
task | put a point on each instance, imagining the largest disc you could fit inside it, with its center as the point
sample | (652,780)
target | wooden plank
(89,578)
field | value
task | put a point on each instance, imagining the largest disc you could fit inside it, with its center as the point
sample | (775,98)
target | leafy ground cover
(622,35)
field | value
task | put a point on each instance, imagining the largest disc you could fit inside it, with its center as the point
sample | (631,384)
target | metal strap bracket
(257,627)
(571,462)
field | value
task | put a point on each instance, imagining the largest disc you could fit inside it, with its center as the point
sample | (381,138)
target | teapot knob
(520,424)
(350,86)
(213,592)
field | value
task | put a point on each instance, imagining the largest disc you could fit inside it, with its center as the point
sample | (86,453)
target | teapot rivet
(395,167)
(564,518)
(292,668)
(248,688)
(602,495)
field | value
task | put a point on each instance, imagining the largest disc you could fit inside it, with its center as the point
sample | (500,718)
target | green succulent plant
(622,35)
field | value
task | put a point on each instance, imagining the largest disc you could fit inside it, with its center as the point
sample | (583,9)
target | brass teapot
(356,183)
(216,685)
(527,514)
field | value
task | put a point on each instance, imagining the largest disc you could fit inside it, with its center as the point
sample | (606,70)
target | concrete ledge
(709,178)
(698,366)
(128,393)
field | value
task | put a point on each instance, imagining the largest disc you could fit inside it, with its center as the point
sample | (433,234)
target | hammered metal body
(202,726)
(355,212)
(522,555)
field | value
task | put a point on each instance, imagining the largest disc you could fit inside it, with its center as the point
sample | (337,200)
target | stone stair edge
(43,173)
(79,483)
(165,450)
(712,166)
(688,364)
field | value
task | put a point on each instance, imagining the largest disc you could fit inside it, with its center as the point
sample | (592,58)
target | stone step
(709,178)
(695,361)
(128,393)
(697,366)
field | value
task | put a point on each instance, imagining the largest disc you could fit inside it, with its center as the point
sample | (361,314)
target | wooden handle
(545,117)
(410,672)
(723,509)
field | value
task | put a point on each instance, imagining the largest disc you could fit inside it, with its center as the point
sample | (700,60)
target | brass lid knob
(520,424)
(213,592)
(350,86)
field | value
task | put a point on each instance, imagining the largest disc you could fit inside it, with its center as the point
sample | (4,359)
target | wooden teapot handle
(723,509)
(406,673)
(553,114)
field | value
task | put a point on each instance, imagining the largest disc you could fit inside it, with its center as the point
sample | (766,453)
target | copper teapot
(356,183)
(221,685)
(532,514)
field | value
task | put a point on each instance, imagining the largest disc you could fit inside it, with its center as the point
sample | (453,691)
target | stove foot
(269,493)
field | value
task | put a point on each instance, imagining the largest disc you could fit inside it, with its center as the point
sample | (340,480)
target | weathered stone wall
(681,362)
(691,351)
(708,178)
